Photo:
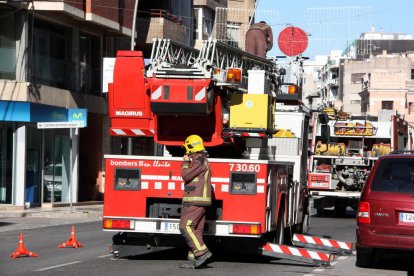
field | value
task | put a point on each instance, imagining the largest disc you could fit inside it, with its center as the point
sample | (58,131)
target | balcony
(212,4)
(159,25)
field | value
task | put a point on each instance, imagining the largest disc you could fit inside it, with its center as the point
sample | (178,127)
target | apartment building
(51,64)
(386,82)
(330,82)
(312,86)
(373,73)
(379,62)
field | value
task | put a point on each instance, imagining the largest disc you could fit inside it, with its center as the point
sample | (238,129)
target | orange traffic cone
(21,250)
(72,242)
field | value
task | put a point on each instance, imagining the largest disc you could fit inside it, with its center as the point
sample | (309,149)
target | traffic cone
(21,250)
(72,242)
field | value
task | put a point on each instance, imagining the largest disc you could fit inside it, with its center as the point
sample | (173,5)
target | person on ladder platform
(259,39)
(196,175)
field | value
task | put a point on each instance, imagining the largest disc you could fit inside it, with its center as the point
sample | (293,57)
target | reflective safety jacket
(197,180)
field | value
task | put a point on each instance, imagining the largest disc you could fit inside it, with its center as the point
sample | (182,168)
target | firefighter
(259,39)
(196,175)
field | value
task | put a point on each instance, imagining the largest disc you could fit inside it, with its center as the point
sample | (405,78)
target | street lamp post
(134,22)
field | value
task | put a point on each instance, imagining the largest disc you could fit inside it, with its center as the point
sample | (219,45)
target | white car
(52,179)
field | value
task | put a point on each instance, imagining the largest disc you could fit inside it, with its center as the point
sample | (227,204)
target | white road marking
(56,266)
(104,256)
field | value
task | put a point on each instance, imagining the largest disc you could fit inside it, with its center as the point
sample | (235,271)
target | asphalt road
(94,258)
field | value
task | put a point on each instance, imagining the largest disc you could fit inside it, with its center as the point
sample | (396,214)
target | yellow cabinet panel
(251,111)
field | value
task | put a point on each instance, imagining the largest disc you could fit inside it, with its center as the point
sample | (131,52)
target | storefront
(39,161)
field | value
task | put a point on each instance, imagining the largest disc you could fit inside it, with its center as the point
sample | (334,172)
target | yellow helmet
(193,143)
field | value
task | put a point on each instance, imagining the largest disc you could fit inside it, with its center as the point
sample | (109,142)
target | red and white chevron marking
(253,134)
(132,132)
(199,96)
(298,252)
(323,242)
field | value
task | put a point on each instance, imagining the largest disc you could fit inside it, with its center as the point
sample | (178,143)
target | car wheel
(364,258)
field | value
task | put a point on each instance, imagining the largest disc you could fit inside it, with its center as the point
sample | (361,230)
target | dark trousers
(256,43)
(192,227)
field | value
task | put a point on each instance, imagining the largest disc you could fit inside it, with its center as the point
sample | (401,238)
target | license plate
(407,217)
(319,185)
(170,226)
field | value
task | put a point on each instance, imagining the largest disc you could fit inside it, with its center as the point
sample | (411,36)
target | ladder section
(170,59)
(173,60)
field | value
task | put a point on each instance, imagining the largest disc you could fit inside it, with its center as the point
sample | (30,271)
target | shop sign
(75,124)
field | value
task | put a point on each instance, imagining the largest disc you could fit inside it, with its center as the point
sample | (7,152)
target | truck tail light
(245,229)
(118,223)
(292,89)
(234,74)
(363,216)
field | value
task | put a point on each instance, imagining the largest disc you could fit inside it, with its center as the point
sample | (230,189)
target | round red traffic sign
(292,41)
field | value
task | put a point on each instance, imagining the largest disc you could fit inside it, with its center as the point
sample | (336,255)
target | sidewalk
(11,220)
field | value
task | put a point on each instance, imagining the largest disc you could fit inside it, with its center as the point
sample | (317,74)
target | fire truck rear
(231,99)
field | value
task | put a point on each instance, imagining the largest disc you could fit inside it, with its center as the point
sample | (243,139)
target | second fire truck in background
(344,148)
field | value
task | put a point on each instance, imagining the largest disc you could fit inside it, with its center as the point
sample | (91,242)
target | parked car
(52,180)
(385,218)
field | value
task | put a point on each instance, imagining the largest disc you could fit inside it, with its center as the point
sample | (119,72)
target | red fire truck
(233,100)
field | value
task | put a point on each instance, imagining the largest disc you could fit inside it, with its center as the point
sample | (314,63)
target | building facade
(386,82)
(373,73)
(312,83)
(51,56)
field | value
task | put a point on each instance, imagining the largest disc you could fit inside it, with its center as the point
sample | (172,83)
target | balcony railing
(160,24)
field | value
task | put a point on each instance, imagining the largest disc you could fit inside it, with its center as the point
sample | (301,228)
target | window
(90,57)
(388,105)
(411,108)
(394,175)
(233,33)
(356,78)
(52,55)
(7,45)
(412,74)
(195,24)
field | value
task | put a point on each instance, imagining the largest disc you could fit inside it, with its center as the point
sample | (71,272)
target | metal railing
(171,58)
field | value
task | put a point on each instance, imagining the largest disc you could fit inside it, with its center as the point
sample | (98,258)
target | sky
(335,24)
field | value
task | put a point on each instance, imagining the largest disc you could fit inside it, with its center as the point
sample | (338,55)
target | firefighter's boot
(200,260)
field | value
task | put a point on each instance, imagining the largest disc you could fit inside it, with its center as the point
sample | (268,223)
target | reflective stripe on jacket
(197,181)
